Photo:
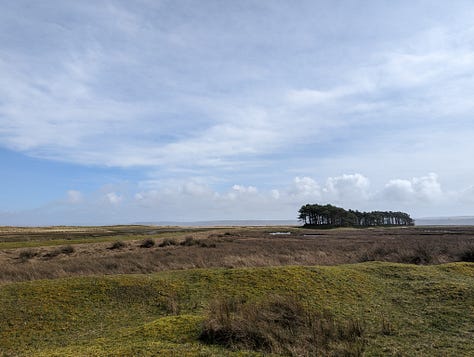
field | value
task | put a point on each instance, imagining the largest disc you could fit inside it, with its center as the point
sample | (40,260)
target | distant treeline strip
(332,216)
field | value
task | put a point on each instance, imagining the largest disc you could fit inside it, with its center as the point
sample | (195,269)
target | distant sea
(445,221)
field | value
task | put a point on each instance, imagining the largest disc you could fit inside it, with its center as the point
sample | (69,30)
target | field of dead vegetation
(54,252)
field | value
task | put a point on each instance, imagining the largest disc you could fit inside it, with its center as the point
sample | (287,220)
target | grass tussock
(117,245)
(168,242)
(281,325)
(189,242)
(147,243)
(467,254)
(27,254)
(66,250)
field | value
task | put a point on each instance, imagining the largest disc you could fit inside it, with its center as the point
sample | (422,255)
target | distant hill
(245,222)
(445,221)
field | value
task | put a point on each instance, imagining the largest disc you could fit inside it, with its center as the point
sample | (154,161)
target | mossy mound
(405,309)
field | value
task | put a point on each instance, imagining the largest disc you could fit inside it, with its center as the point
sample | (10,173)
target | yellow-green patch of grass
(168,336)
(428,309)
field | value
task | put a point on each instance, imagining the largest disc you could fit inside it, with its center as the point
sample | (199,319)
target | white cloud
(305,187)
(113,198)
(398,190)
(344,189)
(428,187)
(418,189)
(347,187)
(74,196)
(275,194)
(315,97)
(195,189)
(244,189)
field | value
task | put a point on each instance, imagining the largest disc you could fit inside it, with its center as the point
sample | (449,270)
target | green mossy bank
(407,310)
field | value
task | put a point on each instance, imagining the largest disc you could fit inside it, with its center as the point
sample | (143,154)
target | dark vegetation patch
(467,255)
(329,216)
(191,241)
(117,245)
(204,244)
(147,243)
(27,254)
(281,325)
(67,250)
(168,242)
(188,242)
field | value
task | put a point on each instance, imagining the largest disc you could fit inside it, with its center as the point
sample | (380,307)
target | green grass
(50,241)
(430,309)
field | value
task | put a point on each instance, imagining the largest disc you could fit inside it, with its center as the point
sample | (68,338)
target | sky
(149,111)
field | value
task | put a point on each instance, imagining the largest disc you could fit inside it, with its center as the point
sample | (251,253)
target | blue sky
(125,111)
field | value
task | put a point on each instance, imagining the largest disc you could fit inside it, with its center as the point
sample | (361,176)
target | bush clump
(68,249)
(27,254)
(467,255)
(420,255)
(167,242)
(189,241)
(203,244)
(147,243)
(117,245)
(281,325)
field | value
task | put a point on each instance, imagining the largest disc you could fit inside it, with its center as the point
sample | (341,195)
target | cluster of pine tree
(332,216)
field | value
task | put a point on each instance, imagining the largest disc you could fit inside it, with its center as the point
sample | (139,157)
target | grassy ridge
(429,309)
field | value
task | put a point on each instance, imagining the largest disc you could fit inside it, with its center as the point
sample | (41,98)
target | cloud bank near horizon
(189,201)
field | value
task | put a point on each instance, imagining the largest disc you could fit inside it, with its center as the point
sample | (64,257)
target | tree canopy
(332,216)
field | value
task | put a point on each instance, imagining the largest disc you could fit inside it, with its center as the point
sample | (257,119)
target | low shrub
(281,325)
(51,254)
(189,241)
(467,255)
(203,244)
(68,249)
(147,243)
(117,245)
(167,242)
(421,254)
(27,254)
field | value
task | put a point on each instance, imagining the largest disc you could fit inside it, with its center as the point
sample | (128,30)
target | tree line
(332,216)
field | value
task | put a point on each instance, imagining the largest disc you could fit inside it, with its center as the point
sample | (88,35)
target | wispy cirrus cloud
(78,110)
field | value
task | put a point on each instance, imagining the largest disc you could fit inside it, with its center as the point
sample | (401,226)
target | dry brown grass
(235,247)
(282,325)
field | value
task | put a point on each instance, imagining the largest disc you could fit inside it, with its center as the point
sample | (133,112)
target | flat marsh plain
(188,291)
